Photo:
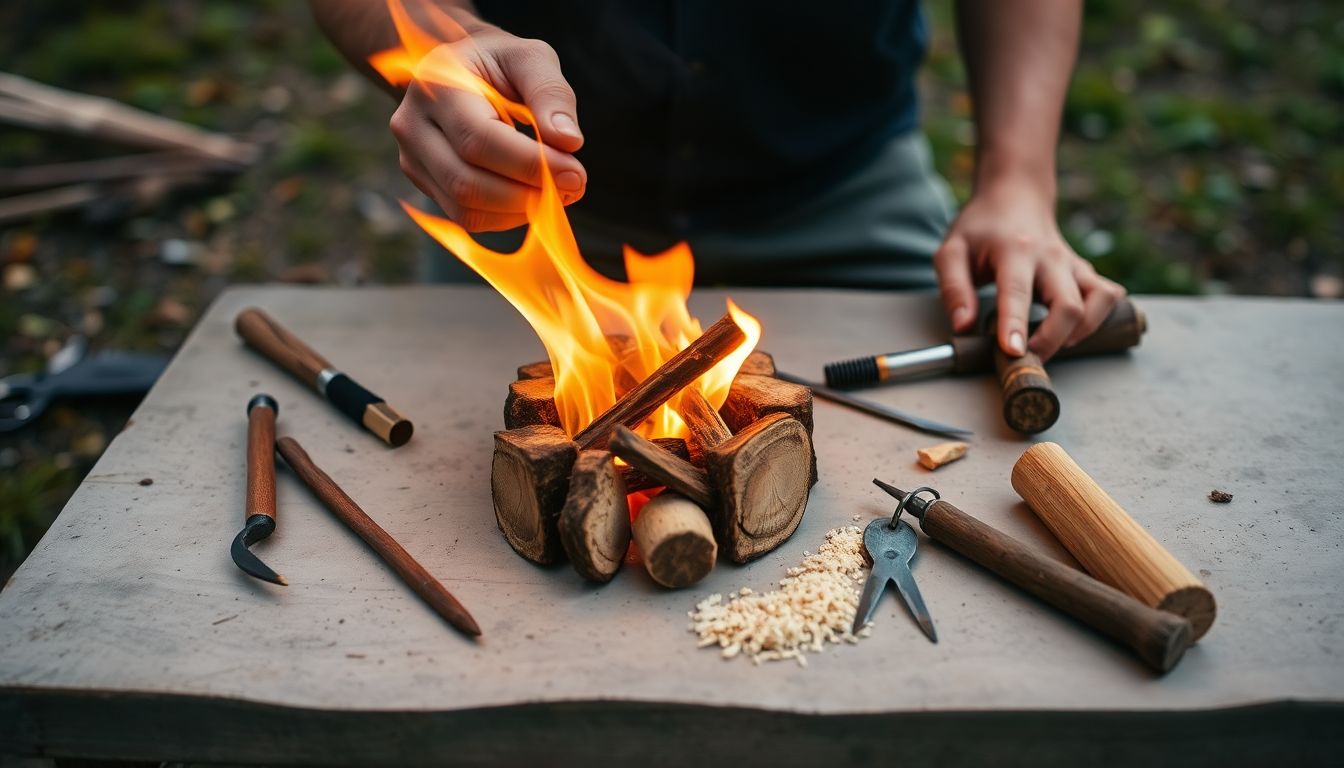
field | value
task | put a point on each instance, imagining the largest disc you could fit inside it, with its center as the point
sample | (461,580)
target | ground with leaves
(1201,154)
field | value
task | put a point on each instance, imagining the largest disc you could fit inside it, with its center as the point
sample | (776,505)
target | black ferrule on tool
(349,397)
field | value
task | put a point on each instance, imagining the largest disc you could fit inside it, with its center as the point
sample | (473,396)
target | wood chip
(1219,497)
(936,456)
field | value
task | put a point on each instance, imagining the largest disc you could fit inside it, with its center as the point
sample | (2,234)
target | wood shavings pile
(814,605)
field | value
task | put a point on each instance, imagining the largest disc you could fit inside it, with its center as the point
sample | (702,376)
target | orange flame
(574,310)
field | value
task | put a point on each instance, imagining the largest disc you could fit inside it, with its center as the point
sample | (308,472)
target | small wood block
(635,480)
(752,397)
(936,456)
(529,479)
(531,401)
(762,482)
(675,540)
(758,363)
(595,521)
(538,370)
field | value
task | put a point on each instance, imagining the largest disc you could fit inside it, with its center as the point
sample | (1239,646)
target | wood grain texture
(635,480)
(430,589)
(1110,544)
(1158,637)
(664,468)
(761,478)
(706,426)
(595,521)
(266,335)
(261,461)
(936,456)
(675,540)
(529,479)
(716,343)
(753,397)
(530,402)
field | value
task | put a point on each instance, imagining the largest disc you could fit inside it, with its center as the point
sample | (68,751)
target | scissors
(73,373)
(891,545)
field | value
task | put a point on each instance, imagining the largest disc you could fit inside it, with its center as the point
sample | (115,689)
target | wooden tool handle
(1109,543)
(1030,404)
(1121,330)
(270,338)
(1158,637)
(261,413)
(392,553)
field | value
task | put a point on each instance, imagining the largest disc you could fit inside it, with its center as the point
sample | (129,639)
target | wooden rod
(716,343)
(261,413)
(675,540)
(672,471)
(1109,543)
(430,589)
(1158,637)
(264,334)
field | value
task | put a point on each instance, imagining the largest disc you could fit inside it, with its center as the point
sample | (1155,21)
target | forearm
(361,28)
(1019,56)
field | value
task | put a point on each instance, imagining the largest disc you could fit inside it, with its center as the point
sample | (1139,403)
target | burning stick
(757,475)
(675,540)
(671,377)
(595,521)
(663,468)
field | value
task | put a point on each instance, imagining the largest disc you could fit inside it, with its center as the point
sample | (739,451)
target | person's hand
(1007,234)
(480,170)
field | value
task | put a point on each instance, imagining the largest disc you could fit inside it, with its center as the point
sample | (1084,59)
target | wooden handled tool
(430,589)
(260,512)
(264,334)
(1158,637)
(1110,544)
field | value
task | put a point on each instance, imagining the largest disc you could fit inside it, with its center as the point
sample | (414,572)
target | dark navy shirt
(701,113)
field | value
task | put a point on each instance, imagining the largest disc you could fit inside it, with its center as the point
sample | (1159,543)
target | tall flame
(598,332)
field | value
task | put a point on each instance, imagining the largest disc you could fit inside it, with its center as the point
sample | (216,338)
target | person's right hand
(456,150)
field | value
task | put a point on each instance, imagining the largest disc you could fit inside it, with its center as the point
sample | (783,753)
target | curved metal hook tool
(261,413)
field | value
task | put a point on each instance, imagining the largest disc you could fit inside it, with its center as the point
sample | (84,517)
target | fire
(597,332)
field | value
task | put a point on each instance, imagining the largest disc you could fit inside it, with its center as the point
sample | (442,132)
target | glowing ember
(572,308)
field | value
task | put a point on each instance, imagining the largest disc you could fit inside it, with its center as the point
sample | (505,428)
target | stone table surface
(129,632)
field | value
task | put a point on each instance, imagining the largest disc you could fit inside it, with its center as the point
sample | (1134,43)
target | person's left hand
(1007,233)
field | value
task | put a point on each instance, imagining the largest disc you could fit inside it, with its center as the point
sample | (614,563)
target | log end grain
(762,478)
(1196,604)
(675,540)
(529,479)
(595,521)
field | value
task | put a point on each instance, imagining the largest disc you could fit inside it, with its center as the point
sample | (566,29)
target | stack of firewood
(738,485)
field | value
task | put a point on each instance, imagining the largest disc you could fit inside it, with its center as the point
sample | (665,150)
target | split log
(705,424)
(716,343)
(761,475)
(595,521)
(753,397)
(531,401)
(664,468)
(636,480)
(758,363)
(675,540)
(529,479)
(936,456)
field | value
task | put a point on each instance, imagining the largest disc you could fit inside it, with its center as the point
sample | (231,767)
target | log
(595,521)
(675,540)
(635,480)
(753,397)
(705,424)
(539,370)
(531,401)
(529,480)
(716,343)
(675,473)
(761,477)
(936,456)
(758,363)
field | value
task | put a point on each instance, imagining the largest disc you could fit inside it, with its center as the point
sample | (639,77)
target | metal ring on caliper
(896,516)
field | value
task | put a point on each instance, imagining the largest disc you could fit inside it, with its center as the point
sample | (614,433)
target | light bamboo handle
(1109,543)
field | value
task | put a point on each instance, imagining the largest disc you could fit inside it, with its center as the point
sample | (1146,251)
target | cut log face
(529,479)
(762,477)
(675,540)
(531,402)
(752,397)
(595,521)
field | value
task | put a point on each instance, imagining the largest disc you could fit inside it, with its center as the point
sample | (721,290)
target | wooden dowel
(1158,637)
(675,473)
(430,589)
(716,343)
(261,413)
(266,335)
(1109,543)
(675,540)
